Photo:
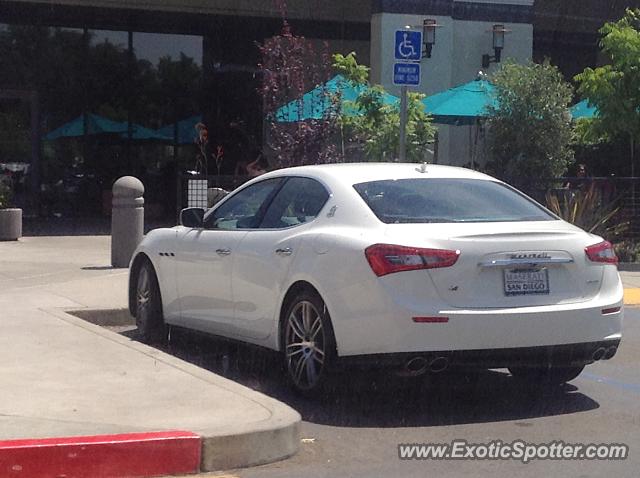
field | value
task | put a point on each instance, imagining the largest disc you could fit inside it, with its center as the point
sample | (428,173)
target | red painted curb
(102,456)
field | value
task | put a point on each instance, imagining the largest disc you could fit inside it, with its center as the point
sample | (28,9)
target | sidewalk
(64,377)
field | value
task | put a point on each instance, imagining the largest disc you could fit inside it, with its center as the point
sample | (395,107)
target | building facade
(219,38)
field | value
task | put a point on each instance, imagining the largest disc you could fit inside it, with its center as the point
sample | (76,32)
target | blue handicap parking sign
(408,46)
(406,74)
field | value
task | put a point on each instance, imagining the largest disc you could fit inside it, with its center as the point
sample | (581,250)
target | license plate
(526,281)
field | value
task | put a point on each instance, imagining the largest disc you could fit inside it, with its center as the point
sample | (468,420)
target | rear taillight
(387,258)
(602,252)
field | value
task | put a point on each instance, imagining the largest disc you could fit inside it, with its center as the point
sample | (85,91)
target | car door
(205,259)
(264,255)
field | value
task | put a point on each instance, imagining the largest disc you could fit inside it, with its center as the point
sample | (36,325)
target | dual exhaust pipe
(420,365)
(603,353)
(416,366)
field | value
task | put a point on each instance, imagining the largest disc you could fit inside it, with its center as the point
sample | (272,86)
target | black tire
(546,376)
(308,344)
(149,320)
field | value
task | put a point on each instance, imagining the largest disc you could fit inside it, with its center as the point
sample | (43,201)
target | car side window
(244,209)
(300,200)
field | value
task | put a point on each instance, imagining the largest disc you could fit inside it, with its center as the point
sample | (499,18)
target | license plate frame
(527,281)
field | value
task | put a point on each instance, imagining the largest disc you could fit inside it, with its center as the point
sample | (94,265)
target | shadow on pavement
(365,398)
(382,399)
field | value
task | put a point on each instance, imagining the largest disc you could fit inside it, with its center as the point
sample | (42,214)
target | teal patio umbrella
(317,103)
(187,133)
(462,104)
(583,110)
(95,125)
(99,125)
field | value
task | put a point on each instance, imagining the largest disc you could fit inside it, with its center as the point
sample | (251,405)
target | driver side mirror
(192,217)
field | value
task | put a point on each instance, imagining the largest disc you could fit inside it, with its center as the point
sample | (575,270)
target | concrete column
(127,219)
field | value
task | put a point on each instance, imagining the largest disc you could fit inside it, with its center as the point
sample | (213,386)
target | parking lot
(355,431)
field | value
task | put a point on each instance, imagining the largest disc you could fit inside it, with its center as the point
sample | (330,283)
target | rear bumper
(554,355)
(383,323)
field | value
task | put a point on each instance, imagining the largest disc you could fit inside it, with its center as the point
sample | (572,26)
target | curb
(102,456)
(230,447)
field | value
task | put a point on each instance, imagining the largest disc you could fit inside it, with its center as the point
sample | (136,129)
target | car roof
(354,173)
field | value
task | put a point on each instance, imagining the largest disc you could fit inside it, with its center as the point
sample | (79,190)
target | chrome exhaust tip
(599,354)
(611,351)
(438,364)
(416,366)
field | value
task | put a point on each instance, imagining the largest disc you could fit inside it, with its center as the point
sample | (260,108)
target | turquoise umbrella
(140,133)
(187,133)
(462,104)
(95,125)
(99,125)
(583,110)
(318,103)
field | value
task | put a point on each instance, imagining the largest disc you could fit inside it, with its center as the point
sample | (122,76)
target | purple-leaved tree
(292,65)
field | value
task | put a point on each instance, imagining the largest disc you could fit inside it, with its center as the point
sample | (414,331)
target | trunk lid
(507,264)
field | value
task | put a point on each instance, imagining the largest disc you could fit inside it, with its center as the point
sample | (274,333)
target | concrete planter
(10,224)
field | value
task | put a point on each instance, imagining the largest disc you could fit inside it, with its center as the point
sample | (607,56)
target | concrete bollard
(127,219)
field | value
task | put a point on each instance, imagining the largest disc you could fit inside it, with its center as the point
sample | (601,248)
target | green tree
(613,88)
(376,126)
(530,127)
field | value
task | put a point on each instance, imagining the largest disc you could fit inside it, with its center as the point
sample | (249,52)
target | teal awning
(461,104)
(99,125)
(583,110)
(319,103)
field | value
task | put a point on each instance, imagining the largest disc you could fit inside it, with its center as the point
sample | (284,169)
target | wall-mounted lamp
(498,44)
(429,26)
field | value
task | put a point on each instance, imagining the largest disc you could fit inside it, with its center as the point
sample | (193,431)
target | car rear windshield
(448,200)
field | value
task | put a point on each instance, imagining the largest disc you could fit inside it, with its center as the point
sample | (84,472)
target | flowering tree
(292,65)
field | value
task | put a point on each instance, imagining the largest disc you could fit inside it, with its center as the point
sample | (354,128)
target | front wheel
(149,320)
(546,375)
(309,346)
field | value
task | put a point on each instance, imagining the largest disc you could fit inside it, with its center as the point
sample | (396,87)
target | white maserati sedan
(421,267)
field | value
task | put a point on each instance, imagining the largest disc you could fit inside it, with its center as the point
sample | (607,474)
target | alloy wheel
(143,296)
(305,345)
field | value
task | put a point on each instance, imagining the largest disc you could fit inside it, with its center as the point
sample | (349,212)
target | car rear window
(448,200)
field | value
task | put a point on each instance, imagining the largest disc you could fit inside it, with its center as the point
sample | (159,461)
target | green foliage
(627,251)
(5,195)
(587,209)
(586,134)
(613,88)
(348,67)
(376,127)
(530,128)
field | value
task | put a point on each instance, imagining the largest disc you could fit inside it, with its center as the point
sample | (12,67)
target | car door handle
(284,252)
(223,252)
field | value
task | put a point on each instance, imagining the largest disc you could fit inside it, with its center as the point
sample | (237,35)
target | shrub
(588,210)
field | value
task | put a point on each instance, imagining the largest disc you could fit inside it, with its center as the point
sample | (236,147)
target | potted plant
(10,218)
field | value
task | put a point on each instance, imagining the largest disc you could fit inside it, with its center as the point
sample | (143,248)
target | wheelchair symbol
(406,48)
